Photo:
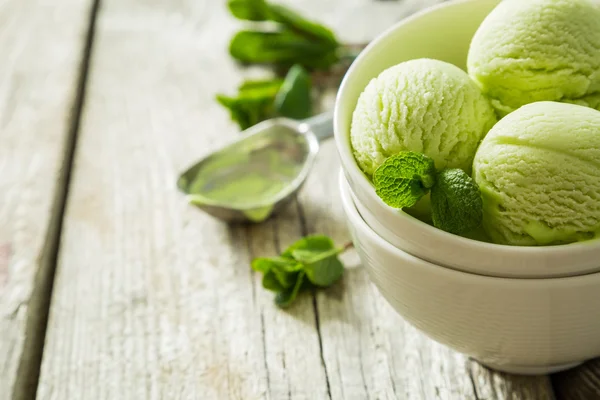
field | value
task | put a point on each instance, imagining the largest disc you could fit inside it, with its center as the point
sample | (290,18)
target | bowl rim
(350,166)
(353,217)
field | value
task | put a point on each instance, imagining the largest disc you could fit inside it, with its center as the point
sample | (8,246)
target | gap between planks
(28,371)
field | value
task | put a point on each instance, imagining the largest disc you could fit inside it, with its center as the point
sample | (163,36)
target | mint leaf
(318,255)
(266,264)
(270,282)
(260,88)
(286,297)
(456,204)
(311,243)
(285,278)
(325,272)
(248,111)
(294,98)
(311,262)
(258,100)
(404,178)
(322,268)
(296,22)
(284,47)
(260,10)
(289,24)
(262,264)
(254,102)
(313,256)
(282,270)
(251,10)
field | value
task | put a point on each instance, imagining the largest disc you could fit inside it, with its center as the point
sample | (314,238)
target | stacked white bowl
(527,310)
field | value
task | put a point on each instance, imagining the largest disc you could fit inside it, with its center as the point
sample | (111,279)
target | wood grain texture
(155,300)
(41,43)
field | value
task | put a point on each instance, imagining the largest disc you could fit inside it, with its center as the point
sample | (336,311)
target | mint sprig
(288,39)
(404,178)
(456,204)
(311,262)
(293,46)
(259,100)
(253,103)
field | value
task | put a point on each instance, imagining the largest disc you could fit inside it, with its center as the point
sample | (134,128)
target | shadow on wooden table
(582,382)
(511,384)
(338,290)
(334,293)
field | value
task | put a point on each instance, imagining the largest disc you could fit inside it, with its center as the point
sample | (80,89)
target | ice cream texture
(538,50)
(538,170)
(423,105)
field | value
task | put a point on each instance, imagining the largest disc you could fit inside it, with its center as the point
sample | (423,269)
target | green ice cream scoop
(538,170)
(538,50)
(425,106)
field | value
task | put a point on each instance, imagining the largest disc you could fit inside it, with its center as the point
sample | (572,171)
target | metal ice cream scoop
(255,176)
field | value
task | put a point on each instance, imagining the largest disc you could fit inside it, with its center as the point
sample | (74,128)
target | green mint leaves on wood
(293,45)
(259,100)
(281,38)
(254,102)
(456,204)
(293,100)
(250,10)
(404,178)
(288,39)
(311,262)
(284,48)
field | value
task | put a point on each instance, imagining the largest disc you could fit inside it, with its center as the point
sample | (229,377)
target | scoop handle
(321,125)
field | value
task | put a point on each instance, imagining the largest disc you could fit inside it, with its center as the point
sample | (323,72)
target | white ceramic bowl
(443,32)
(525,326)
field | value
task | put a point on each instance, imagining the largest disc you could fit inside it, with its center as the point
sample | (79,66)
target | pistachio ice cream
(423,105)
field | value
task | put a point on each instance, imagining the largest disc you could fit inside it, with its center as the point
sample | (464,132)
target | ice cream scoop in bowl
(443,33)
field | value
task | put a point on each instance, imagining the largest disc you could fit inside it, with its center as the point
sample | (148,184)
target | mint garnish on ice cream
(403,179)
(456,204)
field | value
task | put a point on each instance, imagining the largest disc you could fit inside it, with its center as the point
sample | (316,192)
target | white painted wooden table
(101,105)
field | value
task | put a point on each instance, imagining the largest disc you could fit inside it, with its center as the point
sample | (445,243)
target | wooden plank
(581,383)
(42,45)
(154,299)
